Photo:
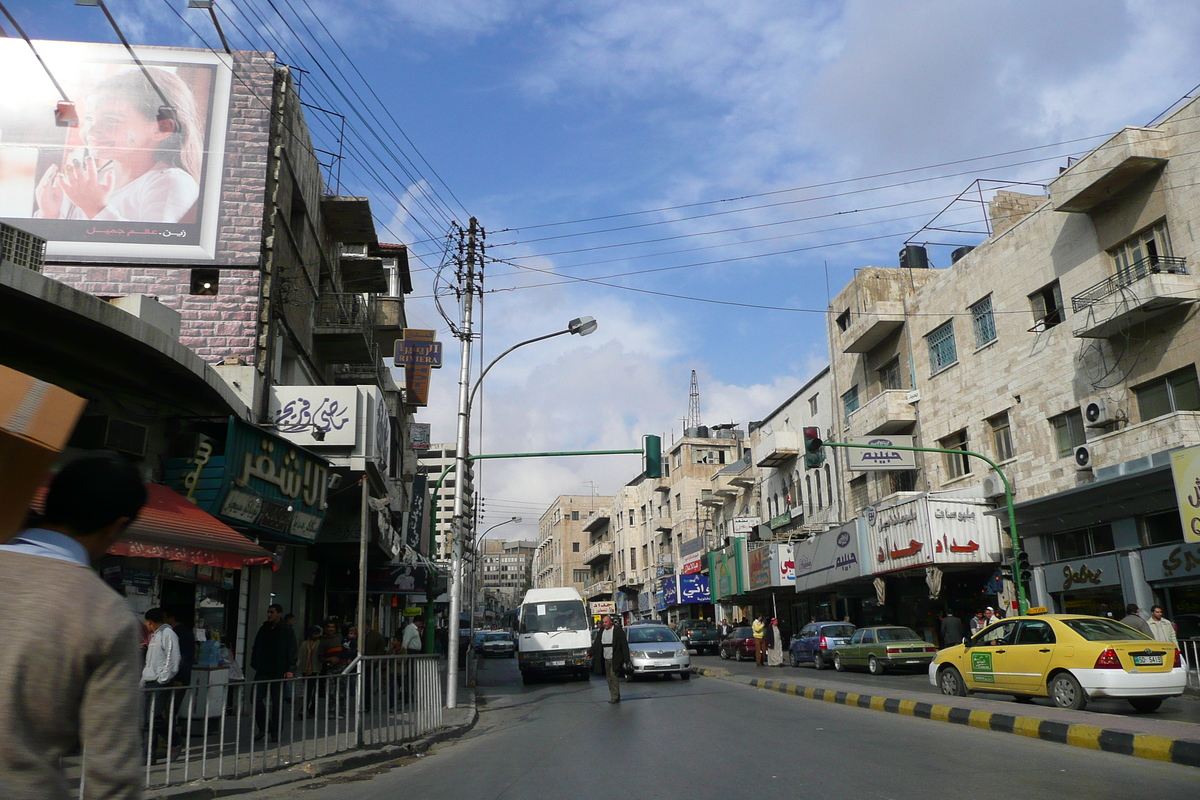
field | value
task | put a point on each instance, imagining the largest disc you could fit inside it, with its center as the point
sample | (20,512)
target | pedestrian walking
(774,642)
(610,651)
(1161,628)
(162,664)
(273,658)
(310,668)
(951,630)
(759,629)
(73,684)
(1134,620)
(414,636)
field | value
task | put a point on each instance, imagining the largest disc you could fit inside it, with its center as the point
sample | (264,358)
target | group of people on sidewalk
(768,641)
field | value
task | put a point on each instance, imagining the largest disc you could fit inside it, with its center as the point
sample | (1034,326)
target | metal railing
(1139,269)
(343,310)
(1191,657)
(237,729)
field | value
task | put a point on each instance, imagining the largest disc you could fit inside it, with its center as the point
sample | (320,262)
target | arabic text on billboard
(880,455)
(141,178)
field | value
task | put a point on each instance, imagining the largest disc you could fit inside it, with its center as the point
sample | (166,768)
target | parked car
(882,647)
(738,645)
(699,635)
(654,648)
(816,641)
(1069,658)
(498,643)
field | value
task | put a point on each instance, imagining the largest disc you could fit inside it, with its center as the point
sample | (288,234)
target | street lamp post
(581,326)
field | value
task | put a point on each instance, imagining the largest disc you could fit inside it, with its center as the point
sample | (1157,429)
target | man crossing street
(610,651)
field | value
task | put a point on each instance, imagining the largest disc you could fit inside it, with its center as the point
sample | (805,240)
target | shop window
(889,375)
(1001,436)
(1047,307)
(983,322)
(1162,528)
(1068,432)
(858,492)
(957,464)
(1178,391)
(1082,542)
(942,352)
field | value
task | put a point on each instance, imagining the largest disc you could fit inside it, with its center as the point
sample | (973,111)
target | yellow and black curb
(1141,745)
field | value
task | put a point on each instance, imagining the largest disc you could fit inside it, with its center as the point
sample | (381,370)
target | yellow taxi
(1069,658)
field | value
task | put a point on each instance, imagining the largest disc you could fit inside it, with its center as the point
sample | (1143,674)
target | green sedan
(880,648)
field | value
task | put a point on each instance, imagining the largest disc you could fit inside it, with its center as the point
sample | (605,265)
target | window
(812,405)
(574,547)
(1047,307)
(1068,432)
(1175,392)
(1001,437)
(678,502)
(677,458)
(631,516)
(820,502)
(1083,542)
(583,576)
(1148,246)
(843,320)
(858,492)
(828,482)
(942,352)
(808,491)
(1161,529)
(957,464)
(850,401)
(903,480)
(889,375)
(985,325)
(633,558)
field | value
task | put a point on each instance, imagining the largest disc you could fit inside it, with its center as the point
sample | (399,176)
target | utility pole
(458,525)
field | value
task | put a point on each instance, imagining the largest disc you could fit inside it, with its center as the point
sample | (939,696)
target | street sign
(418,353)
(880,457)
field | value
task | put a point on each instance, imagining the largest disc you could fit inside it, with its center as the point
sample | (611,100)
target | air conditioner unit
(1083,457)
(993,487)
(1096,414)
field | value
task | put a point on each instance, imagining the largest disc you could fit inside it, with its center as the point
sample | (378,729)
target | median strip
(1091,737)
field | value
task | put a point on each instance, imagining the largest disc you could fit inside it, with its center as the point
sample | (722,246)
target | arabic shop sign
(922,531)
(827,558)
(780,521)
(691,554)
(1082,574)
(1171,562)
(742,525)
(417,353)
(670,591)
(323,417)
(760,568)
(1185,467)
(880,456)
(725,569)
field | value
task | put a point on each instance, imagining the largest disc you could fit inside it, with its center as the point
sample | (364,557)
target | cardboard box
(36,420)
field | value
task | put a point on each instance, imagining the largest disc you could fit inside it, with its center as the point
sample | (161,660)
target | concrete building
(505,572)
(433,462)
(1064,348)
(558,557)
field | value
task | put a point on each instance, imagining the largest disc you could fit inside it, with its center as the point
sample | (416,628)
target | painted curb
(1091,737)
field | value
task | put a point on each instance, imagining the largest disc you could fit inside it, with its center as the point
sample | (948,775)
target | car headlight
(638,654)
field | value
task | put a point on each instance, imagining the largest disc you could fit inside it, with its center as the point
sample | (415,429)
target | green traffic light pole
(1022,600)
(429,609)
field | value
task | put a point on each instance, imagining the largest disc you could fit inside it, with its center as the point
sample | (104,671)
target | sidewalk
(1143,735)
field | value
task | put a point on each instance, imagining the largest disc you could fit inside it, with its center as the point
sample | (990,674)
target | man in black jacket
(951,630)
(273,658)
(610,651)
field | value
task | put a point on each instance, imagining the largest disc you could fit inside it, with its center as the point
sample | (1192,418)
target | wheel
(1066,692)
(792,658)
(1144,705)
(724,655)
(818,662)
(837,662)
(686,675)
(950,681)
(874,665)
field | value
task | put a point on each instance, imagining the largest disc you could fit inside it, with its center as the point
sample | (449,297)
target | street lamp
(581,326)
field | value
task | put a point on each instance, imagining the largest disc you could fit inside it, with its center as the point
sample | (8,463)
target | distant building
(433,462)
(558,559)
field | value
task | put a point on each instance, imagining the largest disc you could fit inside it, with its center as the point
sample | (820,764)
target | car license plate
(912,661)
(1147,661)
(556,663)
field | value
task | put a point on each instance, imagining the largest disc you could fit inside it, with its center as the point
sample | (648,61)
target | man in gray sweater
(79,687)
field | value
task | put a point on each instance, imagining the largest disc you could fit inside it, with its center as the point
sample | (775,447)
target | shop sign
(399,579)
(624,602)
(743,525)
(413,611)
(783,565)
(670,591)
(1185,468)
(879,456)
(1081,574)
(780,521)
(645,601)
(694,589)
(418,353)
(660,602)
(760,568)
(724,570)
(923,531)
(320,417)
(1171,561)
(692,563)
(418,435)
(829,557)
(416,513)
(602,607)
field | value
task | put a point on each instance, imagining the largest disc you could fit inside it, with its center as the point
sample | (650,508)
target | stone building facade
(562,541)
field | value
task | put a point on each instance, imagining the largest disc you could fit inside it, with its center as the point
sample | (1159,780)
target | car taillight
(823,644)
(892,650)
(931,649)
(689,633)
(1108,660)
(1178,661)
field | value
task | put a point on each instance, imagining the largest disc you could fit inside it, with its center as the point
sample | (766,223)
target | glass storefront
(1103,601)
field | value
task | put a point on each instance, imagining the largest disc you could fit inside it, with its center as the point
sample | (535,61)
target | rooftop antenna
(693,416)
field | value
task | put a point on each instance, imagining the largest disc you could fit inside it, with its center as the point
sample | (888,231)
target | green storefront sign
(725,571)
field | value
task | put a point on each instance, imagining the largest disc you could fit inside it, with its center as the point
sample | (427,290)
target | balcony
(887,412)
(389,322)
(597,522)
(342,329)
(598,589)
(867,329)
(663,524)
(598,552)
(1109,169)
(1120,451)
(777,448)
(707,498)
(1142,291)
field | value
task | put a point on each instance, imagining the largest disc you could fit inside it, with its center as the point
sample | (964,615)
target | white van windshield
(558,615)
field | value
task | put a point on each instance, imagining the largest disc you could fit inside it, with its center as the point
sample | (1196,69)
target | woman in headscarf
(774,644)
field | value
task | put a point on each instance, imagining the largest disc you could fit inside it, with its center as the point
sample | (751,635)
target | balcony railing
(1150,265)
(598,551)
(343,310)
(598,588)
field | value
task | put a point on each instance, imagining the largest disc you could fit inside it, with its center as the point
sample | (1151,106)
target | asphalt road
(1178,709)
(706,738)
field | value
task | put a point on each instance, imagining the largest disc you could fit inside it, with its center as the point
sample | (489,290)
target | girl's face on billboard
(116,130)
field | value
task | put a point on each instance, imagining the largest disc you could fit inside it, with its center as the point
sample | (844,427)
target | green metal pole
(1022,600)
(564,453)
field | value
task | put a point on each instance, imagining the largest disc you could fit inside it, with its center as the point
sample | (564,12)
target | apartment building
(504,570)
(433,462)
(558,556)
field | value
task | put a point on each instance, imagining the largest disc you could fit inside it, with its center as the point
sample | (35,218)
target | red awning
(171,527)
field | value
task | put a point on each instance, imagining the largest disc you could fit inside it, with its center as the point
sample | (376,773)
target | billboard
(1185,469)
(155,171)
(881,457)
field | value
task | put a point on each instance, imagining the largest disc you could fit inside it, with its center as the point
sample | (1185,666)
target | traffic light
(652,456)
(814,452)
(1022,569)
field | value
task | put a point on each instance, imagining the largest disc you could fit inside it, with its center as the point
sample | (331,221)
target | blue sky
(548,112)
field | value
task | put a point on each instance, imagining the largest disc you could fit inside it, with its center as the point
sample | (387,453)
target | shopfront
(1173,572)
(728,580)
(827,567)
(1087,586)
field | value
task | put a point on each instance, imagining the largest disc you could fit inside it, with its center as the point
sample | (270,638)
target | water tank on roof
(914,256)
(959,252)
(702,432)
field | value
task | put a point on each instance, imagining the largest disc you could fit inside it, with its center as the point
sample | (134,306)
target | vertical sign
(1185,467)
(417,353)
(416,514)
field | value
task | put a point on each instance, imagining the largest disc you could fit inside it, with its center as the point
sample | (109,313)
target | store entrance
(1103,601)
